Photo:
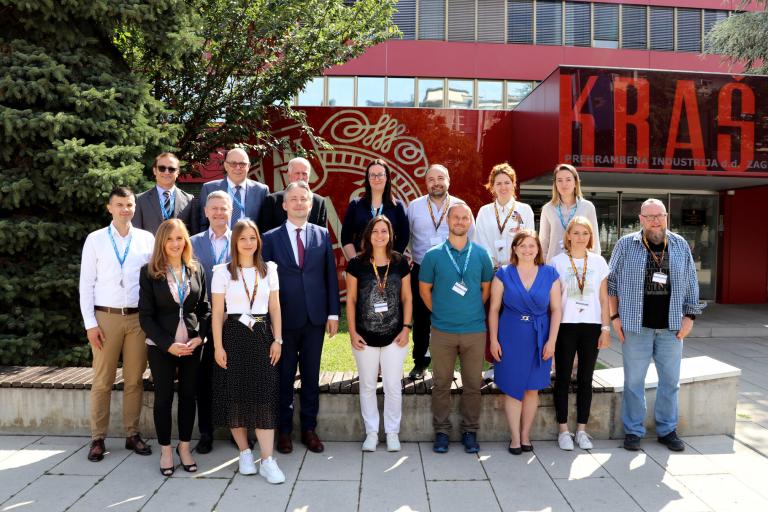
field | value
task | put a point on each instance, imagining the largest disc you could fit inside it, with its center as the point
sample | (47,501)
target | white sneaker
(393,443)
(565,441)
(271,472)
(583,440)
(371,441)
(247,466)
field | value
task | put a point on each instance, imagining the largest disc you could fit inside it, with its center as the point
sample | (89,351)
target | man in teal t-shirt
(454,282)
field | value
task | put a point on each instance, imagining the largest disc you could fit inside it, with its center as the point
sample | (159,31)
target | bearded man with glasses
(165,200)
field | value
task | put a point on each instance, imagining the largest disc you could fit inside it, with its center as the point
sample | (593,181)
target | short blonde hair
(579,220)
(505,169)
(158,264)
(577,191)
(519,237)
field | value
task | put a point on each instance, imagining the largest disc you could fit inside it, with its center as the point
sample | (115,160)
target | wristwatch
(606,328)
(409,326)
(279,341)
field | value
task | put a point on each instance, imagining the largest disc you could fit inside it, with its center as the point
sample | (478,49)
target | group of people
(228,315)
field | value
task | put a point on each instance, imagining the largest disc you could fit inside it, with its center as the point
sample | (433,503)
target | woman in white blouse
(498,221)
(567,202)
(247,337)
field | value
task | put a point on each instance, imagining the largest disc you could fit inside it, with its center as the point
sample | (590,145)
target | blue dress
(523,331)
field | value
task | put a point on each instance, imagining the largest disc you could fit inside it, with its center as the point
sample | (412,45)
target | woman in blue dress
(523,320)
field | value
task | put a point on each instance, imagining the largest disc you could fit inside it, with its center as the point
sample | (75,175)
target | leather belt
(256,318)
(117,311)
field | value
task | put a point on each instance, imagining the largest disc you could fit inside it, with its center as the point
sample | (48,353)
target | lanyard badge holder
(181,287)
(381,284)
(247,319)
(120,260)
(459,287)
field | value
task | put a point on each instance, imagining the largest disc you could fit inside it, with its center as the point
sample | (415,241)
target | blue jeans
(666,350)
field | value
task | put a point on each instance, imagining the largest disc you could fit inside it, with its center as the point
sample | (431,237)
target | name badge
(660,277)
(247,320)
(500,245)
(460,288)
(582,303)
(435,240)
(380,307)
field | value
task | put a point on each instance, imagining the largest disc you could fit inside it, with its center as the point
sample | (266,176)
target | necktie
(300,247)
(167,205)
(236,210)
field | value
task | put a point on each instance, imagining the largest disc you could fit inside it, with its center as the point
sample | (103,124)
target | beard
(655,236)
(437,193)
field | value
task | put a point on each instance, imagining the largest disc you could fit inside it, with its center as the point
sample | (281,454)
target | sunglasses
(169,170)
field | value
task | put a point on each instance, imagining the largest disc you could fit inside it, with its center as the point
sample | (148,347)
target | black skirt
(246,394)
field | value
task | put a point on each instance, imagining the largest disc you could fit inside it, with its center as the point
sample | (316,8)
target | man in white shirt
(429,227)
(165,200)
(109,299)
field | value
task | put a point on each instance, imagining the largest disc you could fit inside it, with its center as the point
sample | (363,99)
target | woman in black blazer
(174,334)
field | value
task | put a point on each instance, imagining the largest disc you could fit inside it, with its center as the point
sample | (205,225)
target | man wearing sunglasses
(165,200)
(247,195)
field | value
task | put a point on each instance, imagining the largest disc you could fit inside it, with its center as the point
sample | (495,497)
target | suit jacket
(273,215)
(255,195)
(307,295)
(149,215)
(203,252)
(159,313)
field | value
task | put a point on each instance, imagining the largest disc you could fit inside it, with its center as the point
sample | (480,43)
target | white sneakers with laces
(583,440)
(565,441)
(371,441)
(247,466)
(270,471)
(393,443)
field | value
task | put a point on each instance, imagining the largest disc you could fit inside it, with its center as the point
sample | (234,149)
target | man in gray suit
(247,195)
(211,247)
(165,200)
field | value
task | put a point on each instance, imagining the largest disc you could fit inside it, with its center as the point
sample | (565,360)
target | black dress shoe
(205,444)
(416,373)
(96,452)
(515,451)
(526,447)
(672,442)
(137,444)
(631,442)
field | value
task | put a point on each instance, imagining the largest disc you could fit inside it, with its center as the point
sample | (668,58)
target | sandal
(189,468)
(167,471)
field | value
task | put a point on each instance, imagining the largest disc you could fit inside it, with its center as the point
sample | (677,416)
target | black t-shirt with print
(656,299)
(378,329)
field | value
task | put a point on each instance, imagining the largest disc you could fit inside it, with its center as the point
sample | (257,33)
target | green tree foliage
(256,55)
(75,121)
(743,38)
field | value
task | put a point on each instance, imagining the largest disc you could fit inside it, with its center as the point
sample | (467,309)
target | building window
(578,24)
(461,93)
(634,27)
(432,19)
(688,30)
(312,94)
(490,21)
(461,20)
(516,92)
(606,25)
(662,28)
(490,95)
(710,18)
(405,18)
(370,91)
(549,22)
(520,21)
(400,92)
(341,91)
(430,92)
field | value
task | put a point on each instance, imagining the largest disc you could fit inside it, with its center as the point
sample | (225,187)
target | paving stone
(688,462)
(309,496)
(574,465)
(188,495)
(401,471)
(11,444)
(449,496)
(753,435)
(78,463)
(221,462)
(51,493)
(454,465)
(724,492)
(339,461)
(252,492)
(596,495)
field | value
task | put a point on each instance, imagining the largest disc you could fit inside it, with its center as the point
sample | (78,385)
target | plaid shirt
(626,280)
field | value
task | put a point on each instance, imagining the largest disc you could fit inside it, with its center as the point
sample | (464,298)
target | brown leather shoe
(284,442)
(311,441)
(96,453)
(137,444)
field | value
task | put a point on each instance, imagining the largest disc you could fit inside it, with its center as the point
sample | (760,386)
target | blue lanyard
(114,246)
(181,287)
(456,265)
(236,197)
(377,211)
(570,217)
(167,214)
(220,258)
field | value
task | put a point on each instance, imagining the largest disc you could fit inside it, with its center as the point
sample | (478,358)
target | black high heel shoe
(189,468)
(166,472)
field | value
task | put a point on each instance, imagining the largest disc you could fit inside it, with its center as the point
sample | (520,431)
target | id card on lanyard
(459,287)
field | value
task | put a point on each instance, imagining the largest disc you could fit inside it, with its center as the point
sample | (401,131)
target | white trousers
(390,359)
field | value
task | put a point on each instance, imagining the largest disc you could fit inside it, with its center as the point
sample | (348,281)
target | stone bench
(55,401)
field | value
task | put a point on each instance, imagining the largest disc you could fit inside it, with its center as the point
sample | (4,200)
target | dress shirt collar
(231,184)
(506,207)
(214,238)
(293,227)
(116,233)
(161,190)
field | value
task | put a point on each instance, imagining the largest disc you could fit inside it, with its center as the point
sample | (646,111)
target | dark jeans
(301,348)
(575,339)
(422,322)
(205,389)
(164,368)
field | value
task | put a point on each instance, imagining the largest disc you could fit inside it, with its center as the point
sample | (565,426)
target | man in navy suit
(247,195)
(309,299)
(210,248)
(165,200)
(273,214)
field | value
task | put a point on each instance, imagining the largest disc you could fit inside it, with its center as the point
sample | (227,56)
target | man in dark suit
(210,247)
(247,195)
(309,295)
(165,201)
(272,213)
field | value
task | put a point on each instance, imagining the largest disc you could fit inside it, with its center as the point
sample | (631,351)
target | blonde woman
(567,202)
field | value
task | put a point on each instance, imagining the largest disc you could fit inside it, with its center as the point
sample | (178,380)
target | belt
(256,318)
(117,311)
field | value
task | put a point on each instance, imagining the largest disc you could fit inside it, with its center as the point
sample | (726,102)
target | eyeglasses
(169,170)
(654,218)
(377,176)
(241,165)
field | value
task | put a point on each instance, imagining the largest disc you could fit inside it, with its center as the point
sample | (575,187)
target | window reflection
(516,92)
(489,95)
(461,93)
(312,95)
(400,92)
(430,93)
(370,91)
(341,91)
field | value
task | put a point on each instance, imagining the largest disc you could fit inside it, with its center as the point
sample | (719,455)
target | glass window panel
(606,26)
(431,92)
(341,91)
(370,91)
(634,27)
(489,95)
(710,18)
(312,94)
(460,93)
(520,22)
(549,22)
(577,24)
(516,92)
(490,21)
(432,19)
(405,18)
(662,28)
(688,30)
(400,92)
(461,20)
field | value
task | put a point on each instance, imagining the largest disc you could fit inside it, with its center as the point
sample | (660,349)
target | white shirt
(291,227)
(551,230)
(574,309)
(234,294)
(424,236)
(100,271)
(487,233)
(220,244)
(241,196)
